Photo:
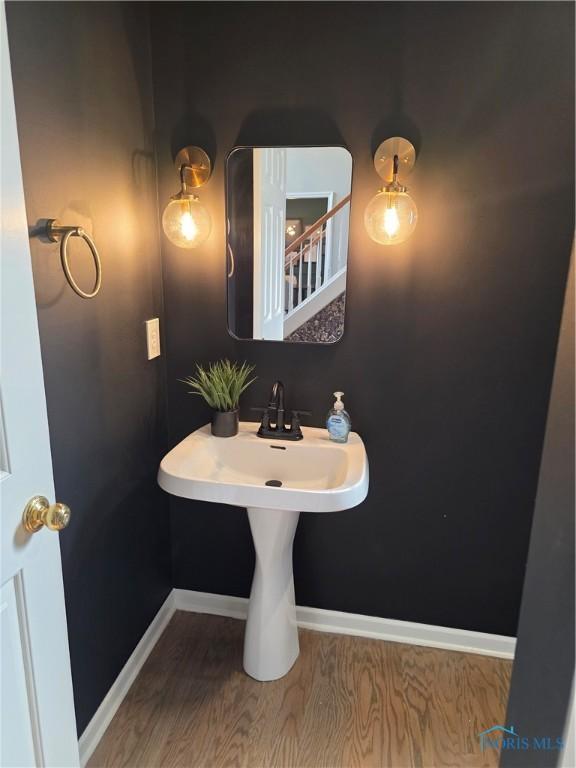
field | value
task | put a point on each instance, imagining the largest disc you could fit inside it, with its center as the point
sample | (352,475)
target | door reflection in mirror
(288,211)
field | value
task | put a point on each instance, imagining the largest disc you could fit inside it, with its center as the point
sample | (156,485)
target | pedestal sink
(274,480)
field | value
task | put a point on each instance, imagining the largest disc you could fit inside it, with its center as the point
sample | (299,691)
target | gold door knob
(40,512)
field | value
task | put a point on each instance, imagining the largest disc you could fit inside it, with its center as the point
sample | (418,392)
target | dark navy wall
(82,82)
(449,344)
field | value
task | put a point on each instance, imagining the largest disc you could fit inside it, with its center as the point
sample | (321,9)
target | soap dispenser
(338,421)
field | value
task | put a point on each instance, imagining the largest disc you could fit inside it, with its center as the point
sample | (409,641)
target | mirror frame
(234,149)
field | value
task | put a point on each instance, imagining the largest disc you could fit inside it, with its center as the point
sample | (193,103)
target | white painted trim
(329,223)
(375,627)
(120,687)
(207,602)
(317,619)
(568,756)
(314,303)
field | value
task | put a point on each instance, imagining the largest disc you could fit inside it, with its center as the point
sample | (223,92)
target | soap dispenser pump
(338,421)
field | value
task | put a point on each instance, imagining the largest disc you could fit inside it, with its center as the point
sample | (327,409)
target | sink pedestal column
(271,640)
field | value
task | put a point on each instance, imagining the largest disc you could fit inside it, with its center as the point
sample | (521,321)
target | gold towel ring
(55,232)
(232,263)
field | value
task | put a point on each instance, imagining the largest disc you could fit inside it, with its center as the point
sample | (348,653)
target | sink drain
(274,483)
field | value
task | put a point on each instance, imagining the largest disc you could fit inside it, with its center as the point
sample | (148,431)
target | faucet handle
(295,423)
(265,423)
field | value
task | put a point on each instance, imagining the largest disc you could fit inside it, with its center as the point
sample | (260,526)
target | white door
(269,238)
(37,726)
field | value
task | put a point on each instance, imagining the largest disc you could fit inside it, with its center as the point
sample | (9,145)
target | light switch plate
(153,337)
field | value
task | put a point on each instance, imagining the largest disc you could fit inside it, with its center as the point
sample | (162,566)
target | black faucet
(275,413)
(277,404)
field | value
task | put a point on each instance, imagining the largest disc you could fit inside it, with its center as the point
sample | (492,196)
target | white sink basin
(313,475)
(317,475)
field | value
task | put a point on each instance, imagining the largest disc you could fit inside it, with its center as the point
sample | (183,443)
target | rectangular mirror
(288,211)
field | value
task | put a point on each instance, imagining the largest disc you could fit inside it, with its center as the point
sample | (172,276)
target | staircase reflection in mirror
(288,212)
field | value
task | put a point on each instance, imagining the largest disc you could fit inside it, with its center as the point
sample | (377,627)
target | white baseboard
(120,687)
(341,623)
(207,602)
(317,619)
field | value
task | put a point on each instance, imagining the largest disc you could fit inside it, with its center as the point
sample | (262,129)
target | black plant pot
(225,423)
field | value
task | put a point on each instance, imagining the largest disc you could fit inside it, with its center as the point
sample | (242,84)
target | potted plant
(221,385)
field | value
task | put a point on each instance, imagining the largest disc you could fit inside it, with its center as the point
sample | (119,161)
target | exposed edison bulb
(186,221)
(391,221)
(390,217)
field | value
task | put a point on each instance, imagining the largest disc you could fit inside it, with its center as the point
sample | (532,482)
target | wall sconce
(391,216)
(185,221)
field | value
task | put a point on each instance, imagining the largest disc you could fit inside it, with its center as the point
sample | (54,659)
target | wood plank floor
(348,701)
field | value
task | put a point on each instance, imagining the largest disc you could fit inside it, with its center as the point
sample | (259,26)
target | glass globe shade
(186,222)
(390,217)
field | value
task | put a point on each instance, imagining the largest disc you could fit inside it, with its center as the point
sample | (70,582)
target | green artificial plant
(221,383)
